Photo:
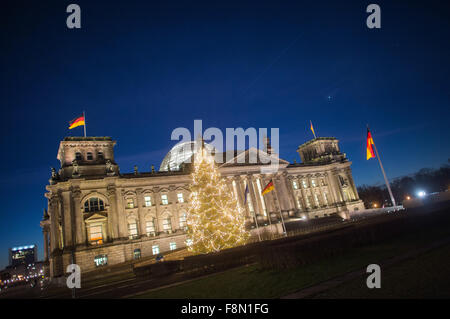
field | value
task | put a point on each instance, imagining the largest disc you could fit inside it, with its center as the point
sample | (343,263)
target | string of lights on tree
(214,219)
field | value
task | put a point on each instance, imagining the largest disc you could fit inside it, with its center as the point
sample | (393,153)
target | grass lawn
(427,276)
(252,282)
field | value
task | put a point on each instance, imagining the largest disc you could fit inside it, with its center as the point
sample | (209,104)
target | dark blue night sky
(142,68)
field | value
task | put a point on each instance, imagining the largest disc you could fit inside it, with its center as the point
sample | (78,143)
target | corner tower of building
(321,149)
(86,156)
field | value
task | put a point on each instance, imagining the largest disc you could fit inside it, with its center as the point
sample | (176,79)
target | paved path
(311,291)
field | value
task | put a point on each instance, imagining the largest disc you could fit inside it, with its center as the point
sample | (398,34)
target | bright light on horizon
(421,193)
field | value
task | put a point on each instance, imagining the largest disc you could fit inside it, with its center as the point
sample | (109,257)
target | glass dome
(181,153)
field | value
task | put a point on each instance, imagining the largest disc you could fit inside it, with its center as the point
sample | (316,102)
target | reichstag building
(97,215)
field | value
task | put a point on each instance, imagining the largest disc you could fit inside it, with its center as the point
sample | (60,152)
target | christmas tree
(214,219)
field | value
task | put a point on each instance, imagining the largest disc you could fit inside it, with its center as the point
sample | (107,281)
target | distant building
(22,255)
(97,215)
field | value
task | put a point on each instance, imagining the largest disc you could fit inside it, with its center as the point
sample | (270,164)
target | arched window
(93,204)
(89,156)
(78,156)
(100,156)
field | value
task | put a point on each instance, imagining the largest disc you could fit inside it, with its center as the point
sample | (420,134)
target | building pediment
(95,217)
(254,156)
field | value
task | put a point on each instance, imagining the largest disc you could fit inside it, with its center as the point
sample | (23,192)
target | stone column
(337,186)
(290,193)
(303,192)
(240,195)
(113,211)
(54,218)
(242,182)
(260,199)
(121,216)
(331,192)
(277,194)
(80,229)
(157,197)
(45,232)
(286,194)
(352,183)
(51,213)
(66,218)
(256,204)
(141,212)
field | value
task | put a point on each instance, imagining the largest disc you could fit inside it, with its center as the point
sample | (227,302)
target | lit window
(305,185)
(148,201)
(173,246)
(313,183)
(89,156)
(150,228)
(137,254)
(180,198)
(101,260)
(93,205)
(294,185)
(167,224)
(155,249)
(322,182)
(96,235)
(188,242)
(130,203)
(132,229)
(164,199)
(183,221)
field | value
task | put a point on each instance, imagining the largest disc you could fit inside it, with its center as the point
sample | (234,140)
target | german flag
(269,187)
(370,152)
(312,129)
(76,122)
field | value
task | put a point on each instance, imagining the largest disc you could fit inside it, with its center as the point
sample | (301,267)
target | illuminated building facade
(97,215)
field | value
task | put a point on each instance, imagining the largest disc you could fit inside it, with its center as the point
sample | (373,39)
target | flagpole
(384,173)
(314,133)
(84,117)
(257,226)
(279,206)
